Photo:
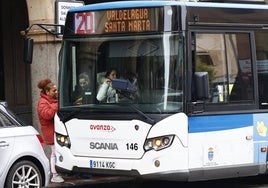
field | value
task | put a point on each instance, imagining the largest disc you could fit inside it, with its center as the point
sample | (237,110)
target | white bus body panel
(121,133)
(221,148)
(196,154)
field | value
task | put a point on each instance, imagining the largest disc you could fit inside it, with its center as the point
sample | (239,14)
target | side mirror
(28,50)
(202,85)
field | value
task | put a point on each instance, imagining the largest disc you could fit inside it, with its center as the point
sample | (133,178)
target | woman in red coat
(47,108)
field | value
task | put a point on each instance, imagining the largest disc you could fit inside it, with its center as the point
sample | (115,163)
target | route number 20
(84,23)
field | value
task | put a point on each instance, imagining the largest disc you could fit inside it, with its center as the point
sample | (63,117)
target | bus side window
(226,57)
(261,40)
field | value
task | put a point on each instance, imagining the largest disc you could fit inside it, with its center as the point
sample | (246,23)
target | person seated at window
(106,92)
(130,96)
(82,93)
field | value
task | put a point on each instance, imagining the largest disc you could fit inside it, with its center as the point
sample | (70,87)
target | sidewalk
(76,180)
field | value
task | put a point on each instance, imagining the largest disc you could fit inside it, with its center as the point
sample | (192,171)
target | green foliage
(203,67)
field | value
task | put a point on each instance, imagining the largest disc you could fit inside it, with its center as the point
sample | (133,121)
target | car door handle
(3,144)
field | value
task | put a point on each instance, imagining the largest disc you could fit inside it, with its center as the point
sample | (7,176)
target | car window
(4,121)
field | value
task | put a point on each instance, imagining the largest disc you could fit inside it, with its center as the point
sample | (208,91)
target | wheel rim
(26,177)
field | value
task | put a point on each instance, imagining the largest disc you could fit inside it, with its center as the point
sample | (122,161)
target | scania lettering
(105,146)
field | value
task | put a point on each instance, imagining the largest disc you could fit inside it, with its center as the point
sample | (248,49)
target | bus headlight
(63,140)
(158,143)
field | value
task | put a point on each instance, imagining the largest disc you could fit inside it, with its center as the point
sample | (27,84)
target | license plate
(102,164)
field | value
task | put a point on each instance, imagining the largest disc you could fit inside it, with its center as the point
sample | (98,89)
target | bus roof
(132,4)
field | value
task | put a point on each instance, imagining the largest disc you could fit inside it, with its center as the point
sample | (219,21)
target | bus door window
(227,59)
(261,43)
(86,57)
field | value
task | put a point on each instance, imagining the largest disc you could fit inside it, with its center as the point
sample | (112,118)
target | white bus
(191,92)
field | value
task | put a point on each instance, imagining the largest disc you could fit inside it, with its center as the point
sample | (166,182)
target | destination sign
(116,21)
(129,20)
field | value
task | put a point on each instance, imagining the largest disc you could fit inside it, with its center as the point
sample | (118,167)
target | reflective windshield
(122,73)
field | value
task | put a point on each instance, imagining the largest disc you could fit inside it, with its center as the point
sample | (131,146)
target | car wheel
(24,174)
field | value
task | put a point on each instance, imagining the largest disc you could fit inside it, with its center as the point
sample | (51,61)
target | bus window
(155,78)
(261,39)
(227,59)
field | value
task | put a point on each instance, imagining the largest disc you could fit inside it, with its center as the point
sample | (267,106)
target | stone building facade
(18,80)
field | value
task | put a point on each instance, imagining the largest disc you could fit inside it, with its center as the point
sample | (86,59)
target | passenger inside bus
(113,89)
(106,92)
(132,94)
(82,93)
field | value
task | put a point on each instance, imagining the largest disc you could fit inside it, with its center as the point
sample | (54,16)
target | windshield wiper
(147,118)
(65,118)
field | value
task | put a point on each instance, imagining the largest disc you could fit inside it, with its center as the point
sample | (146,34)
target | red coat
(46,109)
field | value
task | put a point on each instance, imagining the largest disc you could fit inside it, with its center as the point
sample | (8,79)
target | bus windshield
(147,73)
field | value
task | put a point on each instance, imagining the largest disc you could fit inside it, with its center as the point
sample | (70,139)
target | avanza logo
(107,128)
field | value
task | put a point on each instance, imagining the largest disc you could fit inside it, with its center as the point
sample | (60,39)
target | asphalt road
(126,182)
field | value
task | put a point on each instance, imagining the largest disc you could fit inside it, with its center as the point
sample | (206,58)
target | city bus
(190,95)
